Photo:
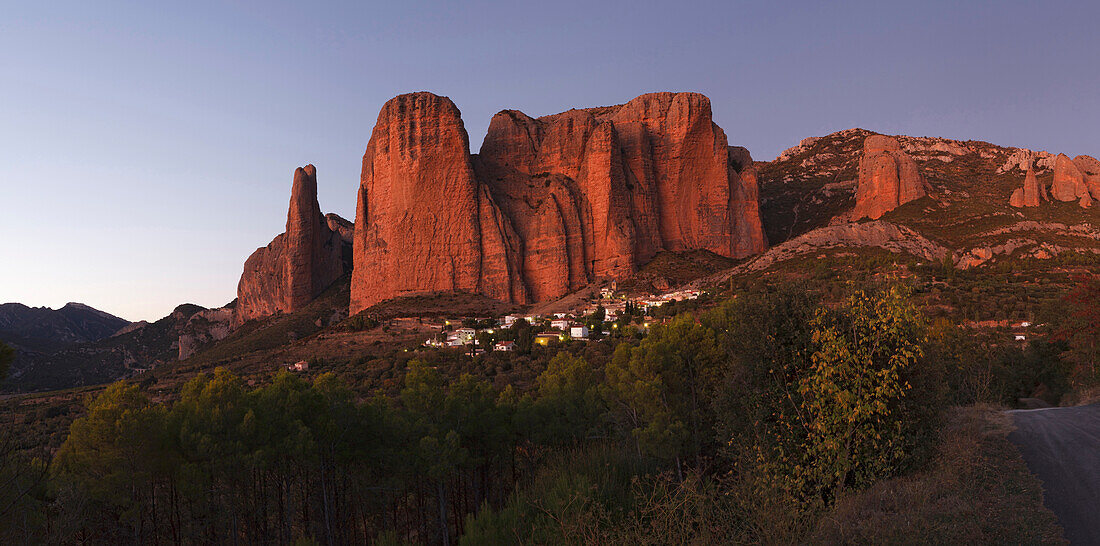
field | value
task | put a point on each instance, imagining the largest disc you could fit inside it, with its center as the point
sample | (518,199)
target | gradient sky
(148,147)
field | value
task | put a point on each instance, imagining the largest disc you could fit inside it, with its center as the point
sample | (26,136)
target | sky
(147,148)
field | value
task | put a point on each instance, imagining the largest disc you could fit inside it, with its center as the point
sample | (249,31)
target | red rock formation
(297,265)
(1028,195)
(888,178)
(596,193)
(423,223)
(1090,169)
(341,226)
(745,203)
(550,204)
(1069,181)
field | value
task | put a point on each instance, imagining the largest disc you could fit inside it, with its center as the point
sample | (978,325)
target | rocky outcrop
(298,264)
(1090,170)
(205,327)
(344,228)
(888,177)
(1028,195)
(418,223)
(881,234)
(549,204)
(1024,159)
(1069,182)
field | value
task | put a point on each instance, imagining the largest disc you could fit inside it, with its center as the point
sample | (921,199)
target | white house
(466,334)
(578,332)
(561,324)
(504,346)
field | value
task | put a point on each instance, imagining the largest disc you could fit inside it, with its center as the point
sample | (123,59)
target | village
(607,311)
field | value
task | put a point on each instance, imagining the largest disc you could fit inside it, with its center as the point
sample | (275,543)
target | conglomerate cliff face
(298,264)
(888,178)
(550,204)
(1070,181)
(423,222)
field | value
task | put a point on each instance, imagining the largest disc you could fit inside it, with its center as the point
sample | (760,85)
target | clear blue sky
(148,147)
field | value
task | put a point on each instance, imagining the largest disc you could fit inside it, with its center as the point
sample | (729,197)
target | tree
(767,340)
(660,388)
(524,335)
(1078,323)
(567,407)
(7,356)
(485,340)
(110,457)
(855,426)
(817,399)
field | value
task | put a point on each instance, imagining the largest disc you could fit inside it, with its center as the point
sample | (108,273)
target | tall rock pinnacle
(1069,182)
(298,264)
(1028,195)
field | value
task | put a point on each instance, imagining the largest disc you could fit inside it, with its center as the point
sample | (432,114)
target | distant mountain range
(79,345)
(42,327)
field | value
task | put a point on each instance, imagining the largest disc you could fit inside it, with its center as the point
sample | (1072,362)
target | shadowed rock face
(888,178)
(298,264)
(1028,195)
(550,204)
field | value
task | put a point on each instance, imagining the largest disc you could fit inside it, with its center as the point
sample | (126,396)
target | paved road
(1062,447)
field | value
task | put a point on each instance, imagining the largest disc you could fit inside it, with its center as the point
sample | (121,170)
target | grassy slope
(977,491)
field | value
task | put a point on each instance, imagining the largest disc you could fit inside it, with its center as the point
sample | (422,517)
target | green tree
(660,388)
(567,405)
(1078,323)
(524,335)
(110,457)
(460,430)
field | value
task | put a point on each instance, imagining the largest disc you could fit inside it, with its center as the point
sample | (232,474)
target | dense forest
(743,421)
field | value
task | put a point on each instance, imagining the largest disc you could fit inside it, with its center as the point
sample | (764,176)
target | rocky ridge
(814,185)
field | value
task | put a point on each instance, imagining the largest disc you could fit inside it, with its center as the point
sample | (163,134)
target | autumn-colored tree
(1079,326)
(852,393)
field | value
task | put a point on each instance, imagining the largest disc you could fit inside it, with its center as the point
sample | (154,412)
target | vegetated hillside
(671,269)
(258,345)
(967,211)
(101,361)
(42,327)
